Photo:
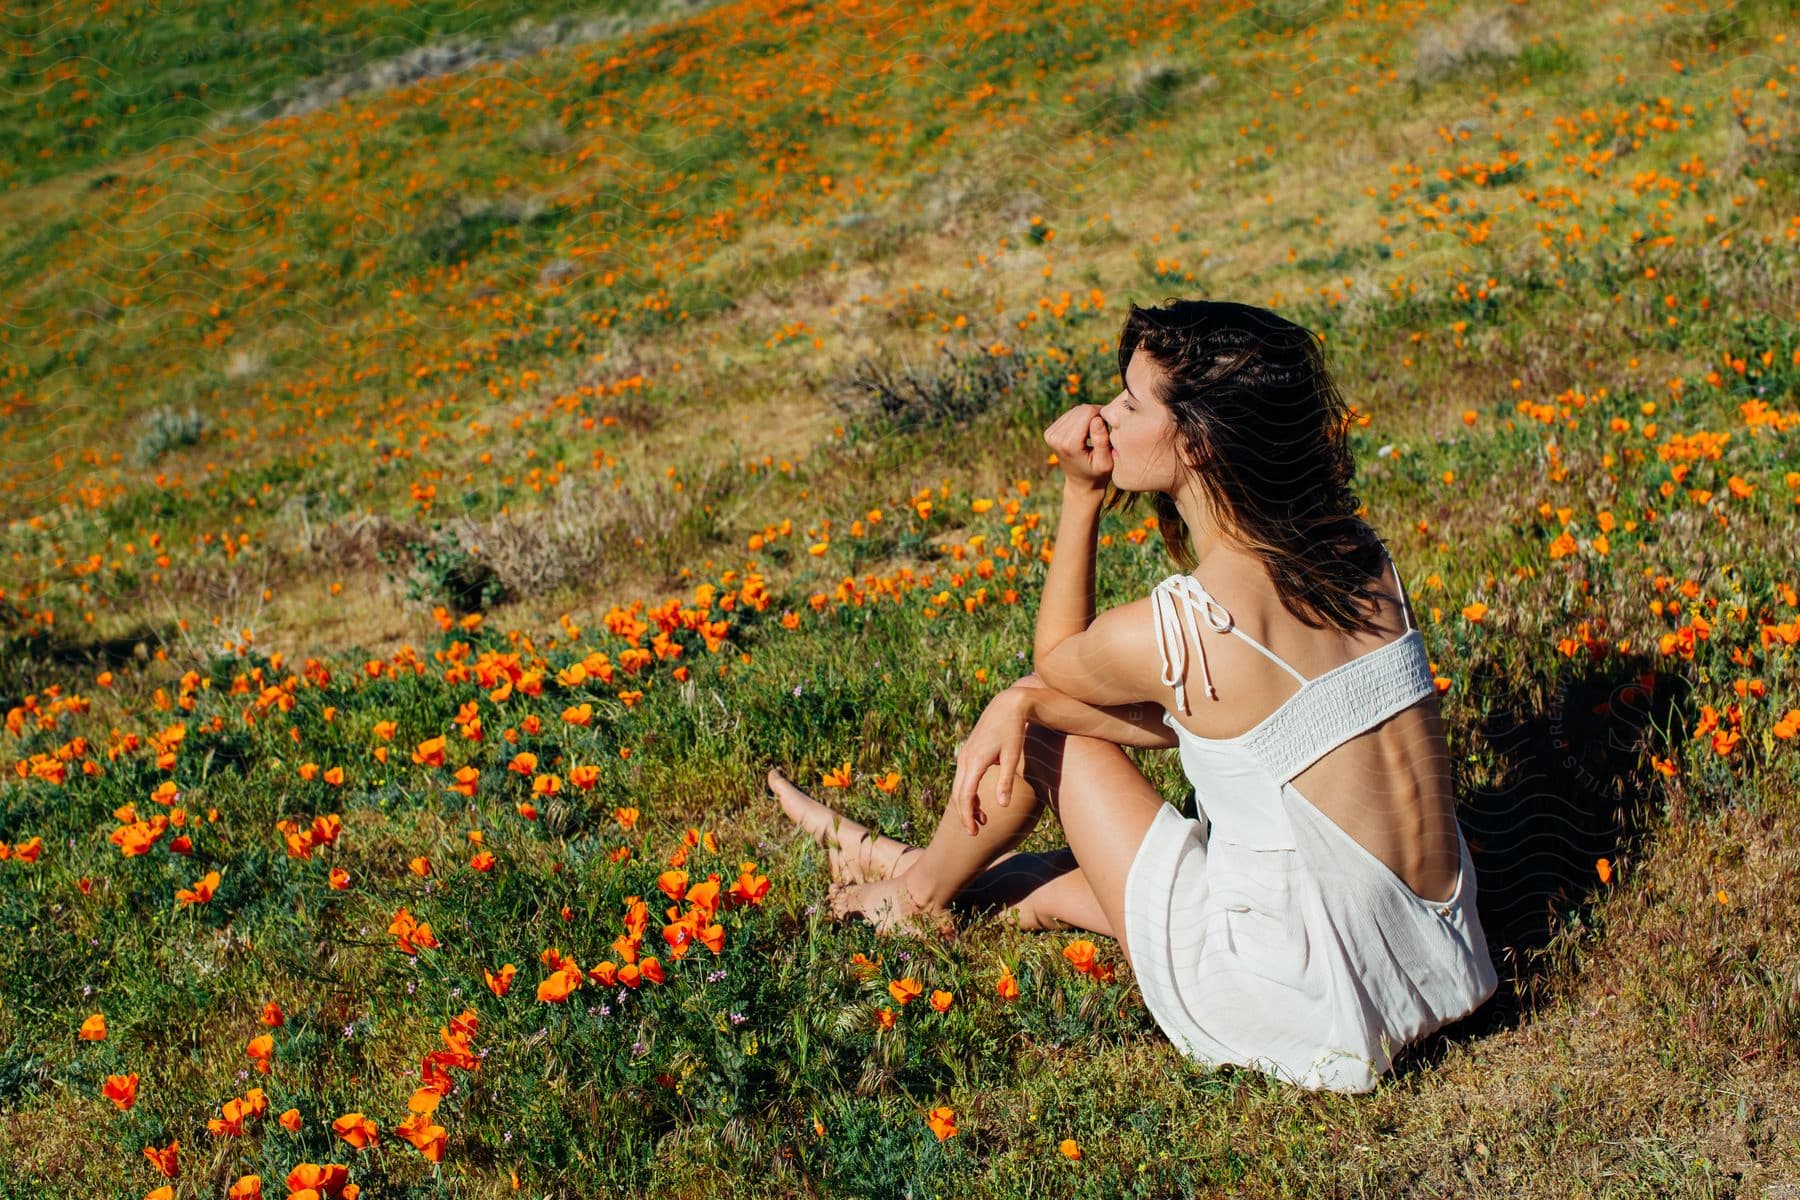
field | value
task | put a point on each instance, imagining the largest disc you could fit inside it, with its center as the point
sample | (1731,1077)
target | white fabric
(1260,932)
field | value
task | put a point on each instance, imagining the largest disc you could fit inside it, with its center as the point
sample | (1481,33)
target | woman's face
(1142,432)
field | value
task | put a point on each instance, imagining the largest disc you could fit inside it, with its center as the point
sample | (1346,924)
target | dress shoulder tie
(1186,590)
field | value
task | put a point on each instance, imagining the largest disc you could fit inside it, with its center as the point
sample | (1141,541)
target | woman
(1318,911)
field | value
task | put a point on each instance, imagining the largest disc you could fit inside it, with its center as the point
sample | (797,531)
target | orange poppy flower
(272,1015)
(357,1130)
(904,991)
(426,1137)
(502,983)
(289,1120)
(248,1187)
(121,1090)
(941,1000)
(93,1029)
(166,1160)
(1070,1149)
(749,889)
(332,1180)
(557,987)
(338,880)
(201,892)
(260,1048)
(1008,987)
(1081,955)
(942,1120)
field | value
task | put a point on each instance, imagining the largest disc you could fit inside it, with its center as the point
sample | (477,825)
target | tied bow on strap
(1192,596)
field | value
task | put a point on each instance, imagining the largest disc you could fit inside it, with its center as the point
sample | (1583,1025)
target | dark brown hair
(1258,412)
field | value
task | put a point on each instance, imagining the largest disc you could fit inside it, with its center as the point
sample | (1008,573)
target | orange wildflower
(166,1160)
(248,1187)
(93,1029)
(314,1181)
(502,983)
(905,990)
(121,1090)
(1081,954)
(1008,987)
(201,892)
(357,1130)
(942,1120)
(558,986)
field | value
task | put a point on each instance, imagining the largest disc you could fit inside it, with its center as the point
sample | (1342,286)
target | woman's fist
(1083,446)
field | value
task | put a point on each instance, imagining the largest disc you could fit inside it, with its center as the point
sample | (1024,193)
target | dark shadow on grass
(29,662)
(1574,786)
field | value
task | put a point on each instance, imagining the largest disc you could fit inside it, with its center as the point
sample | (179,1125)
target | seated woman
(1317,913)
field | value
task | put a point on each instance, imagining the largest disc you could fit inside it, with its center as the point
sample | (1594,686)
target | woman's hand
(1083,445)
(998,737)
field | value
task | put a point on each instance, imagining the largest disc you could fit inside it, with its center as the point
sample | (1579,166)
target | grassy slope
(1649,1047)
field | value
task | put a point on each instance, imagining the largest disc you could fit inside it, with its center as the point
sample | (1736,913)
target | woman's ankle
(922,892)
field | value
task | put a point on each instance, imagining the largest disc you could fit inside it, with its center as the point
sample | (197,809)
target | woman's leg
(1048,890)
(1105,804)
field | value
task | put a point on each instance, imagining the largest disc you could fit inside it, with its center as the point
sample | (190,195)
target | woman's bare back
(1388,788)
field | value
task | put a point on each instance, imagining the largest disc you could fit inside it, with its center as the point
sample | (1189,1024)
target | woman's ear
(1190,456)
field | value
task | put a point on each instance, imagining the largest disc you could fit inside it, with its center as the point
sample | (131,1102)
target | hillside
(428,515)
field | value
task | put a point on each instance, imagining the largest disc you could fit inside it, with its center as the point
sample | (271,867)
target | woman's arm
(1067,606)
(1125,724)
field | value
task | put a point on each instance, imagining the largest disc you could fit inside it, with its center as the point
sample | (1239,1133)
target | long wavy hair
(1261,417)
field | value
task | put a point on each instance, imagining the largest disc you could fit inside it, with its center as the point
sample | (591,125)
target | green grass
(1645,1039)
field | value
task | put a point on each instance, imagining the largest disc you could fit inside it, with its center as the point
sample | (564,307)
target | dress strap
(1398,584)
(1192,596)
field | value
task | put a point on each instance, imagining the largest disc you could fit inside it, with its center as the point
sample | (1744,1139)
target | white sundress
(1261,933)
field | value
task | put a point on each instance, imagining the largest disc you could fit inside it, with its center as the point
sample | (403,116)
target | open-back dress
(1260,932)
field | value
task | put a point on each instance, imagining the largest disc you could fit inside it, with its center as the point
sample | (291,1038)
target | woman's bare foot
(889,907)
(855,852)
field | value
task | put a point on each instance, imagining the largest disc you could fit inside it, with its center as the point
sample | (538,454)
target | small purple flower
(796,690)
(350,1029)
(738,1018)
(638,1049)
